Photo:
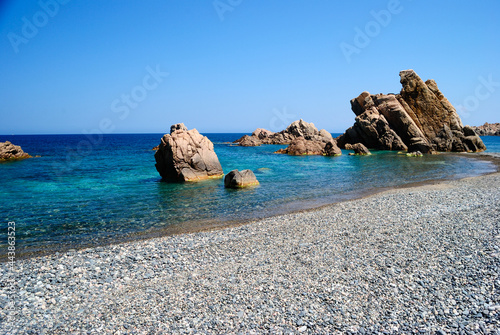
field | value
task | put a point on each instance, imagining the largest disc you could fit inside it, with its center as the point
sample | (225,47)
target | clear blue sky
(236,66)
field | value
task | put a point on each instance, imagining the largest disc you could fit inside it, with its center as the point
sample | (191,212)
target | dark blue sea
(90,191)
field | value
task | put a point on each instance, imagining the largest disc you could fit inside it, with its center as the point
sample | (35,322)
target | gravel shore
(416,260)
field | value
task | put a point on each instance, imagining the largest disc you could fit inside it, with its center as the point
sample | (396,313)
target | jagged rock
(420,118)
(372,129)
(488,129)
(296,129)
(325,136)
(301,146)
(11,152)
(249,141)
(178,126)
(473,143)
(262,134)
(240,179)
(331,149)
(359,149)
(303,129)
(186,155)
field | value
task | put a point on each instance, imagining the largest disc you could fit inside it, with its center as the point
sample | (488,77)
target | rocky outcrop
(359,149)
(240,179)
(11,152)
(301,146)
(303,139)
(331,149)
(488,129)
(186,155)
(420,118)
(296,129)
(263,135)
(249,141)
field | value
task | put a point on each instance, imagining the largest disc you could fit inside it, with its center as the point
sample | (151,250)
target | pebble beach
(420,260)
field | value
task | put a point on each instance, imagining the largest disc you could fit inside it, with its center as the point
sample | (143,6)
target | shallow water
(110,190)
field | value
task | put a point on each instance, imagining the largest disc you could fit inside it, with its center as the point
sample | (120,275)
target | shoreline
(211,225)
(418,259)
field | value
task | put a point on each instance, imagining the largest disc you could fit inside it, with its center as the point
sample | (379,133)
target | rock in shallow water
(186,155)
(420,118)
(301,146)
(240,179)
(297,129)
(359,149)
(249,141)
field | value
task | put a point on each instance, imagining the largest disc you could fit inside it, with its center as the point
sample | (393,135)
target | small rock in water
(240,179)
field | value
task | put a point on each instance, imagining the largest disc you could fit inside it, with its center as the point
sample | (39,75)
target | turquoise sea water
(80,194)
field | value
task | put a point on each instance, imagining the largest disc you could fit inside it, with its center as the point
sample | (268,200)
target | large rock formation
(240,179)
(420,118)
(301,146)
(303,139)
(296,129)
(186,155)
(11,152)
(488,129)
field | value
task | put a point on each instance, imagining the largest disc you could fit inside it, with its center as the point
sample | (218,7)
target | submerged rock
(420,118)
(414,154)
(240,179)
(186,155)
(359,149)
(263,170)
(11,152)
